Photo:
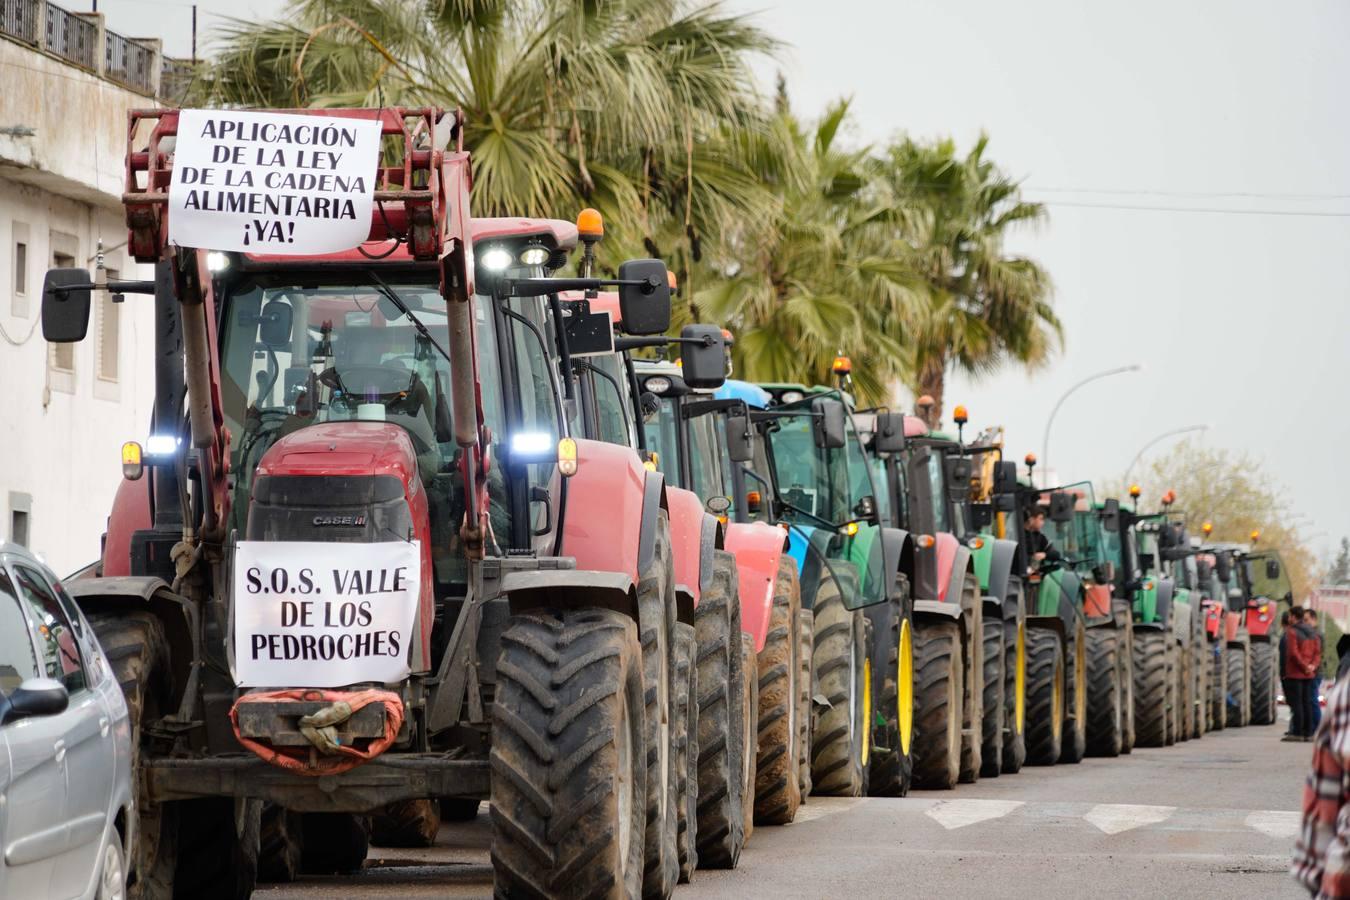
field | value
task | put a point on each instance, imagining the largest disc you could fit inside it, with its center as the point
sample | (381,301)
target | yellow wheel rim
(1020,679)
(904,693)
(1080,684)
(867,710)
(1057,706)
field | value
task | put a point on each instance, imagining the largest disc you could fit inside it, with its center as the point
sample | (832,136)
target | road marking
(960,813)
(820,807)
(1113,818)
(1275,823)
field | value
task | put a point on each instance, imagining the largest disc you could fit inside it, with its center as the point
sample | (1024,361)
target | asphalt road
(1208,818)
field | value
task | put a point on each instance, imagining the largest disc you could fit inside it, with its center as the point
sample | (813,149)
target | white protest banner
(272,182)
(316,614)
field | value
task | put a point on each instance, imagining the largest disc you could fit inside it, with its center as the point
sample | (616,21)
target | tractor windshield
(660,426)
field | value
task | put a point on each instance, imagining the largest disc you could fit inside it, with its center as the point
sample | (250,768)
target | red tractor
(371,564)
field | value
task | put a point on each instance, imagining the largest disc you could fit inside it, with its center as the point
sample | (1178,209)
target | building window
(20,512)
(18,304)
(109,331)
(61,357)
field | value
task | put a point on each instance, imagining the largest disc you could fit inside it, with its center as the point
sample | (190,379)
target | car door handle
(60,748)
(103,726)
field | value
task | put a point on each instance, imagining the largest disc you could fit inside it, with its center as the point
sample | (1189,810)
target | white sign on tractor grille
(276,183)
(319,614)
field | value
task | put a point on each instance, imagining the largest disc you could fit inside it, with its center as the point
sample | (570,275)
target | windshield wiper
(395,299)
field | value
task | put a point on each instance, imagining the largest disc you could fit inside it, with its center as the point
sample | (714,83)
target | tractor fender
(958,566)
(711,538)
(687,526)
(175,613)
(934,565)
(1000,598)
(897,554)
(130,514)
(613,503)
(758,548)
(940,610)
(570,589)
(1166,589)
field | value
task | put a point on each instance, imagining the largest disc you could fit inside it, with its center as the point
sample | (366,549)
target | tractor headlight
(657,384)
(495,259)
(534,256)
(791,396)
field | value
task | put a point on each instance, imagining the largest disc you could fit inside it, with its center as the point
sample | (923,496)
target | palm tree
(813,279)
(605,102)
(985,308)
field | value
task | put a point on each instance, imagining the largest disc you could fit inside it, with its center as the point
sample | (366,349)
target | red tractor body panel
(758,547)
(946,547)
(335,449)
(1213,619)
(604,500)
(1260,619)
(1097,600)
(1231,622)
(686,532)
(130,513)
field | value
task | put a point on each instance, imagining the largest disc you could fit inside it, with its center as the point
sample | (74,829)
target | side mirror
(65,305)
(827,418)
(1061,506)
(1223,567)
(37,697)
(1272,569)
(1111,515)
(739,440)
(645,307)
(890,433)
(1146,561)
(866,508)
(274,325)
(718,505)
(1005,477)
(703,355)
(958,478)
(982,516)
(1004,503)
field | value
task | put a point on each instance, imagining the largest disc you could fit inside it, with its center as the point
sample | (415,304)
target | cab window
(704,458)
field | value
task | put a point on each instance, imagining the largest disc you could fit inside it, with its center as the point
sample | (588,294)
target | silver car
(66,810)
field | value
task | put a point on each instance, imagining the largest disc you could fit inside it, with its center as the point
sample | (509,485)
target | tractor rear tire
(1015,696)
(656,632)
(137,652)
(407,823)
(777,791)
(938,672)
(1239,685)
(1173,692)
(1151,688)
(1218,689)
(995,710)
(569,768)
(748,672)
(1186,661)
(1074,746)
(1200,666)
(281,840)
(1126,657)
(334,844)
(891,767)
(720,833)
(972,656)
(1263,683)
(839,724)
(1105,694)
(217,853)
(686,750)
(806,686)
(1045,696)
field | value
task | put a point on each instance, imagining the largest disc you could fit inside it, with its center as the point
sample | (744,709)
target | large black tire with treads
(839,725)
(1172,703)
(1218,690)
(995,710)
(686,749)
(806,630)
(656,627)
(748,674)
(891,764)
(1201,671)
(407,823)
(1105,694)
(1045,695)
(280,843)
(1151,687)
(1074,746)
(1014,696)
(1264,683)
(569,772)
(972,680)
(1126,656)
(938,674)
(777,791)
(1185,694)
(1239,699)
(721,741)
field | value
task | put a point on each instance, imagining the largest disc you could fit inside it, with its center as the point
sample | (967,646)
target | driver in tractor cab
(1039,547)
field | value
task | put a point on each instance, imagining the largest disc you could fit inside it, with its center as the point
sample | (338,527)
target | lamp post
(1166,434)
(1045,439)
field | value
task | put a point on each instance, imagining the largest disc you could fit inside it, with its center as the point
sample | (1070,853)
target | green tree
(984,307)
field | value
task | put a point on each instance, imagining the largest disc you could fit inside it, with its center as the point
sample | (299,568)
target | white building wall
(61,432)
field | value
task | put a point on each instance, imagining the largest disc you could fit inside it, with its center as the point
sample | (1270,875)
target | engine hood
(344,448)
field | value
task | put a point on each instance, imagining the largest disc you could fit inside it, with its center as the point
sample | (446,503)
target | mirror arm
(112,287)
(538,287)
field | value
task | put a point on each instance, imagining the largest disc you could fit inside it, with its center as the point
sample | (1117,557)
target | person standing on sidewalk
(1303,655)
(1310,618)
(1284,682)
(1322,853)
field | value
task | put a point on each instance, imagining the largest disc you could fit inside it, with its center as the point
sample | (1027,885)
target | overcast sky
(1196,160)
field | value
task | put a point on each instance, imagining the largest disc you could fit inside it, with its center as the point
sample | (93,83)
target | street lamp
(1045,439)
(1161,437)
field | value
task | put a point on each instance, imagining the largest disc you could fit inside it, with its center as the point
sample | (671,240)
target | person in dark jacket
(1310,618)
(1039,548)
(1284,682)
(1303,657)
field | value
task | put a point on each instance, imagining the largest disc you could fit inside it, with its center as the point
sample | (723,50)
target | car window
(60,648)
(17,662)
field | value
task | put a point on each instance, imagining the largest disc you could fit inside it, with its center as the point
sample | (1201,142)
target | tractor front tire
(938,672)
(1105,694)
(995,710)
(569,762)
(1015,695)
(891,767)
(1218,689)
(686,750)
(1151,688)
(1076,697)
(721,742)
(806,687)
(1263,683)
(1045,696)
(839,725)
(656,632)
(777,791)
(1238,658)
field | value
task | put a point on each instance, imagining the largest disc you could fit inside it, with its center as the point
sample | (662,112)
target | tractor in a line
(1263,592)
(363,475)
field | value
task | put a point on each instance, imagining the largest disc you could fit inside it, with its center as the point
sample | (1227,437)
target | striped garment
(1322,853)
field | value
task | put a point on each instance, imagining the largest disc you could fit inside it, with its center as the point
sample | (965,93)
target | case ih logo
(340,521)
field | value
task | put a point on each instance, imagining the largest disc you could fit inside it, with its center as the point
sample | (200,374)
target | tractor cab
(1267,590)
